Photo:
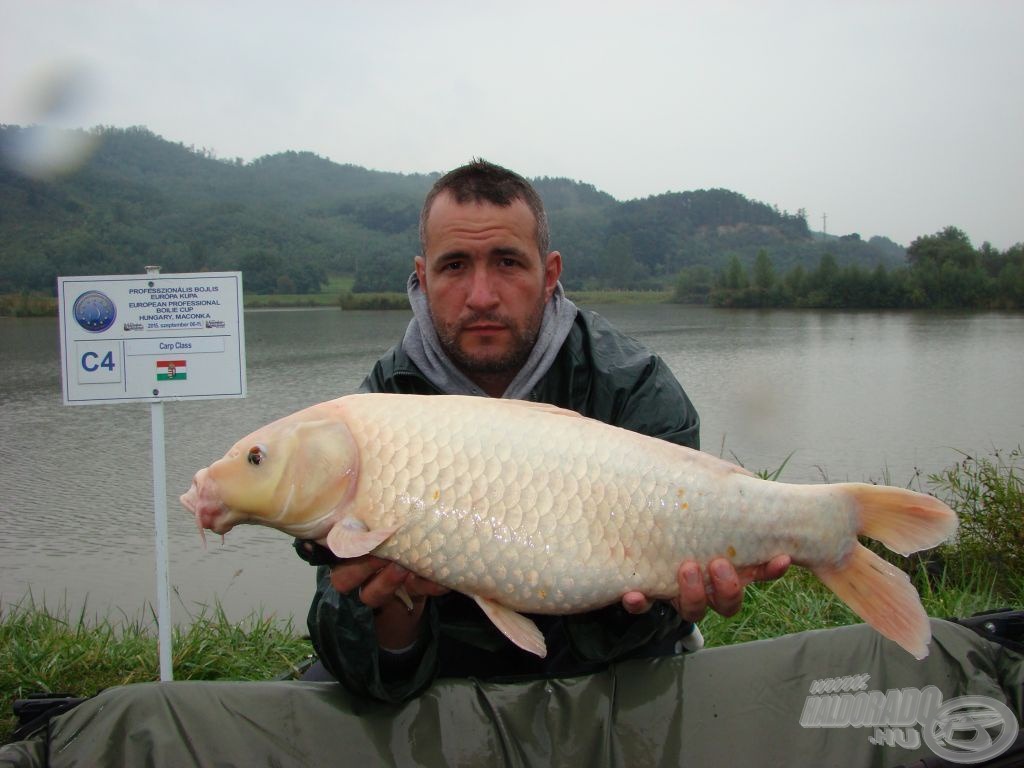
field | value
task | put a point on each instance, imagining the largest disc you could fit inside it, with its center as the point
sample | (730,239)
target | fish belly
(548,512)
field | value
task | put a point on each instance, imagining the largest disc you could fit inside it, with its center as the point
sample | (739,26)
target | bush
(27,304)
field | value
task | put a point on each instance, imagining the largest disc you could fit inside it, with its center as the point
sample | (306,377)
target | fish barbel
(526,507)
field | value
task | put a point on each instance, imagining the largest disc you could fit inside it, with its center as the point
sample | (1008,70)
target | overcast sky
(891,118)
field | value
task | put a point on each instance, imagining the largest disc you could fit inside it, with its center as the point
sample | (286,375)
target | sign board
(149,338)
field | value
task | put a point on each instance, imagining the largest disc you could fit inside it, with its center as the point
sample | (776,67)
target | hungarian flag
(171,370)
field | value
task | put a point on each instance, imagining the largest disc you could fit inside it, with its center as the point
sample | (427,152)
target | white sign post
(150,338)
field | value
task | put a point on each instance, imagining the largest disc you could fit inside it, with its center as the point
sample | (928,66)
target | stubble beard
(510,361)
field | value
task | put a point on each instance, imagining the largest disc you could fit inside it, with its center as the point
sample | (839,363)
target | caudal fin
(878,592)
(882,595)
(905,521)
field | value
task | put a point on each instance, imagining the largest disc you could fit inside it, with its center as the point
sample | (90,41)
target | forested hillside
(289,220)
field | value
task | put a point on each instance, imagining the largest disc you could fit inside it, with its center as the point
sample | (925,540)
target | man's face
(485,283)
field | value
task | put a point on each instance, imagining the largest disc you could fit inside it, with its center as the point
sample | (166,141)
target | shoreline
(26,305)
(39,305)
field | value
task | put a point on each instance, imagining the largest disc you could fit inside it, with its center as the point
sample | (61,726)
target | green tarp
(738,705)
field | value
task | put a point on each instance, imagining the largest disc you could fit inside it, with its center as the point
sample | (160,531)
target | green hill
(291,219)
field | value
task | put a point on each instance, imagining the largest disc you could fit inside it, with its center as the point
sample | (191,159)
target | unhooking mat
(842,697)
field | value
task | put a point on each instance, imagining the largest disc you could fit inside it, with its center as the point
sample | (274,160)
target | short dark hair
(480,181)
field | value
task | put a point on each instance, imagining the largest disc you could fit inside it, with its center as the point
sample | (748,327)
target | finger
(379,589)
(773,569)
(417,586)
(776,568)
(353,572)
(636,603)
(726,593)
(692,602)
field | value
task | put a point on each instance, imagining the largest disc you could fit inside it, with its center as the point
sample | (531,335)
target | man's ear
(421,271)
(552,271)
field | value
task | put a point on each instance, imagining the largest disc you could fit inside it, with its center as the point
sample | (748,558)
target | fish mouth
(203,501)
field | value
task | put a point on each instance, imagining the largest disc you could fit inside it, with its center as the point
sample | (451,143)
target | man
(491,319)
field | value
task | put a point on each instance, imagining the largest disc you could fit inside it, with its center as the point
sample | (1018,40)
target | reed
(586,298)
(27,305)
(383,300)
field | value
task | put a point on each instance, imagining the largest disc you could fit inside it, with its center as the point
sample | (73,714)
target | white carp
(528,507)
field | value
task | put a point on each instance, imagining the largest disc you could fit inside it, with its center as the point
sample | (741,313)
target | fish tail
(877,591)
(905,521)
(882,595)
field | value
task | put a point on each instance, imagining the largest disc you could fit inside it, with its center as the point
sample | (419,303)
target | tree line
(943,271)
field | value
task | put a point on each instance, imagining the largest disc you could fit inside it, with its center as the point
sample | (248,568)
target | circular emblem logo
(94,311)
(970,729)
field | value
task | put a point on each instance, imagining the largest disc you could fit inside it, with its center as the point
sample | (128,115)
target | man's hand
(721,589)
(377,581)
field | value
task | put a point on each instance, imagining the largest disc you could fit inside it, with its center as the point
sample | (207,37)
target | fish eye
(256,455)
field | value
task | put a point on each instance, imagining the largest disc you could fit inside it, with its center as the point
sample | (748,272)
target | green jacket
(599,373)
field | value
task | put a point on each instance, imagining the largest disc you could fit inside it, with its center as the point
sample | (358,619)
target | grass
(53,650)
(799,602)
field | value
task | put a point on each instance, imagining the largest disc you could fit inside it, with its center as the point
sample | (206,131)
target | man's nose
(482,292)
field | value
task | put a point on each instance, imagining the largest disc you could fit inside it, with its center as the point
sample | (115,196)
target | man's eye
(451,266)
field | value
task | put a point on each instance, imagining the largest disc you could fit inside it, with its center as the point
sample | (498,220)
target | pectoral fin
(516,627)
(403,595)
(350,538)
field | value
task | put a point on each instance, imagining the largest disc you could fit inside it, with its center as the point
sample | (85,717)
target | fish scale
(529,508)
(634,500)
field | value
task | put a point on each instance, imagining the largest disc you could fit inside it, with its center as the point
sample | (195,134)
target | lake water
(857,396)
